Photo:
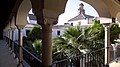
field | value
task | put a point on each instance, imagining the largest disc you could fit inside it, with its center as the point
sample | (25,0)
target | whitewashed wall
(54,32)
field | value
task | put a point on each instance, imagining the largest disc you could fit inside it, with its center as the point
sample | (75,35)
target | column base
(47,66)
(106,66)
(20,64)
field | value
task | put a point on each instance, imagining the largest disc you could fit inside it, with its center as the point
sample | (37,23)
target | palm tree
(74,40)
(95,35)
(67,45)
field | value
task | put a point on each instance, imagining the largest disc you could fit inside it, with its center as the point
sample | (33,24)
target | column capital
(49,21)
(46,28)
(9,29)
(13,29)
(47,16)
(106,24)
(20,26)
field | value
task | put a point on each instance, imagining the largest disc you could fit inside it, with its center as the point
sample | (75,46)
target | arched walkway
(6,58)
(47,16)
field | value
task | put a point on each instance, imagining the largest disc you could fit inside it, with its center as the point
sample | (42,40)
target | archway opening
(71,11)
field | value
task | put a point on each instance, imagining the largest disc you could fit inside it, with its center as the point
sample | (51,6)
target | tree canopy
(74,40)
(36,33)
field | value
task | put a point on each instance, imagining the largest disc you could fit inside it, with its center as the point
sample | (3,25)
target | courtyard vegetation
(74,41)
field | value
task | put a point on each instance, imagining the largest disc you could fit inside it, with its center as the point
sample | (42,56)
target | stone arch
(21,17)
(13,22)
(44,9)
(100,7)
(113,7)
(13,28)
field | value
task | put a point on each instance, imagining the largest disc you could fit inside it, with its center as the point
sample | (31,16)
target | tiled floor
(115,63)
(6,58)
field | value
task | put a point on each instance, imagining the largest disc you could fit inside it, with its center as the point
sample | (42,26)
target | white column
(107,45)
(47,45)
(13,39)
(8,38)
(20,43)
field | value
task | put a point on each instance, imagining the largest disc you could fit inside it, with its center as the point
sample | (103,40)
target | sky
(71,10)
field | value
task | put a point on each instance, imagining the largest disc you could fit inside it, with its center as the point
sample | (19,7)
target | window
(58,32)
(27,31)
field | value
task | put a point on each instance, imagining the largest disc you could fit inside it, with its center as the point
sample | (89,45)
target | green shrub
(36,33)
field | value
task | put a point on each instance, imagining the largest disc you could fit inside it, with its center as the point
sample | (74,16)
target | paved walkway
(115,63)
(6,58)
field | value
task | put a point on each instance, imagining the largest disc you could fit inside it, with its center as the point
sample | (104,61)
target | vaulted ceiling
(6,7)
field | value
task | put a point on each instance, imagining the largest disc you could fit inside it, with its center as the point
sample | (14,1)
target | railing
(16,49)
(31,59)
(27,56)
(92,59)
